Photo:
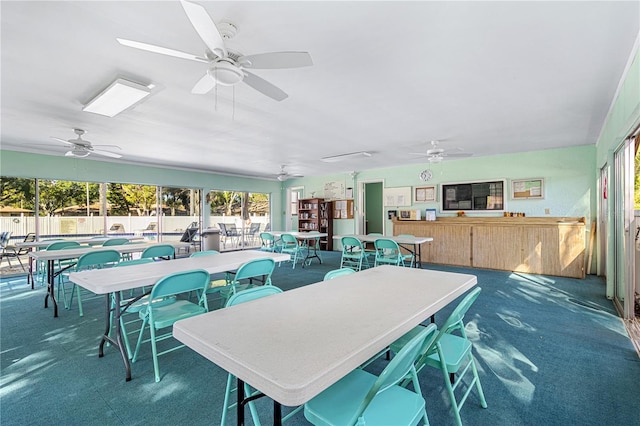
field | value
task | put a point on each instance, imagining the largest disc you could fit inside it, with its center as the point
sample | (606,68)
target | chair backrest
(115,242)
(223,229)
(256,268)
(165,251)
(61,245)
(204,253)
(29,238)
(4,239)
(387,246)
(188,235)
(181,282)
(399,367)
(374,233)
(267,227)
(252,294)
(351,243)
(455,320)
(140,261)
(98,259)
(254,228)
(288,240)
(266,236)
(338,273)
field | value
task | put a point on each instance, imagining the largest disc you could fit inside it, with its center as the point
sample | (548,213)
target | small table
(306,237)
(412,244)
(296,344)
(73,253)
(114,280)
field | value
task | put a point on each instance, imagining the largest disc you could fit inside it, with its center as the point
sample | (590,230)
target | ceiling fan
(226,66)
(284,175)
(436,154)
(82,148)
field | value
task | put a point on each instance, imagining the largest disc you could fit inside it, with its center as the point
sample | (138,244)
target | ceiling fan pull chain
(233,106)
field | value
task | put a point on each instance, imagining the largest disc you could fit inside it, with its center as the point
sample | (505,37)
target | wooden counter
(536,245)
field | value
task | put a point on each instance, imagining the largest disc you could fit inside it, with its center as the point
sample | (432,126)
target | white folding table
(292,346)
(412,244)
(73,253)
(114,280)
(306,237)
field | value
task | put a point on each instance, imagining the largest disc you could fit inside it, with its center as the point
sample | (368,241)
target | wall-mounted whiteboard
(396,197)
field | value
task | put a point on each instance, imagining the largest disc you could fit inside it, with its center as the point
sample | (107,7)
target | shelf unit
(314,214)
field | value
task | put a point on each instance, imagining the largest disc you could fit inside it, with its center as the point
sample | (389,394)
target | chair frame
(98,259)
(354,255)
(388,253)
(159,317)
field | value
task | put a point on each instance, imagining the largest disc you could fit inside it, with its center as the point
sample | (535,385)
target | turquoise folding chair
(291,247)
(337,273)
(388,253)
(242,297)
(159,251)
(248,271)
(362,398)
(354,255)
(214,284)
(115,242)
(159,316)
(98,259)
(452,354)
(58,267)
(133,305)
(268,243)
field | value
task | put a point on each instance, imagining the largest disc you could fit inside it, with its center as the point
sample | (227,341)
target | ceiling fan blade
(264,87)
(204,85)
(161,50)
(458,154)
(421,154)
(277,60)
(69,154)
(63,141)
(205,27)
(108,146)
(106,153)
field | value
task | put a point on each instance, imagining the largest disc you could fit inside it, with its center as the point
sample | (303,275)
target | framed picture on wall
(424,194)
(527,189)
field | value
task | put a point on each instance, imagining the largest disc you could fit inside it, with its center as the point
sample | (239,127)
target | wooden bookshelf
(314,214)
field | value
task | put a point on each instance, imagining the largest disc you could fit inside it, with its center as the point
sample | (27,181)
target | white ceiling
(487,77)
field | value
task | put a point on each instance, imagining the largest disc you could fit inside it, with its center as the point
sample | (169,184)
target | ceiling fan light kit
(227,67)
(117,97)
(342,157)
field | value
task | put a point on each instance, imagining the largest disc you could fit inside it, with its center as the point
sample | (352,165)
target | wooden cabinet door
(497,247)
(451,245)
(557,250)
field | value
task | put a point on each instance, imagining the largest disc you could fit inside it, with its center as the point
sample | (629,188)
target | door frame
(360,213)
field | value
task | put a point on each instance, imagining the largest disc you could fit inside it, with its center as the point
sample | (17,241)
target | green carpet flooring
(550,351)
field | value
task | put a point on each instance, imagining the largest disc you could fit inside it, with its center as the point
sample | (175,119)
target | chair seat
(169,314)
(143,302)
(455,349)
(334,406)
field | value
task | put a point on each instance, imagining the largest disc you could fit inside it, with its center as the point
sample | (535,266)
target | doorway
(294,194)
(371,216)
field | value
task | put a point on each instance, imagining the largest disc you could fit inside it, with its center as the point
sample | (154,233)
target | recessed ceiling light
(119,96)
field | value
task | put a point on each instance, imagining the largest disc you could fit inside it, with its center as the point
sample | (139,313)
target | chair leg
(154,352)
(137,349)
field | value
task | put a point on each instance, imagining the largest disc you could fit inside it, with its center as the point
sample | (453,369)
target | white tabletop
(103,281)
(299,235)
(74,253)
(292,346)
(46,243)
(397,238)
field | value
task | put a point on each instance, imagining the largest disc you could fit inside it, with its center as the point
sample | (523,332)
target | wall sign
(527,188)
